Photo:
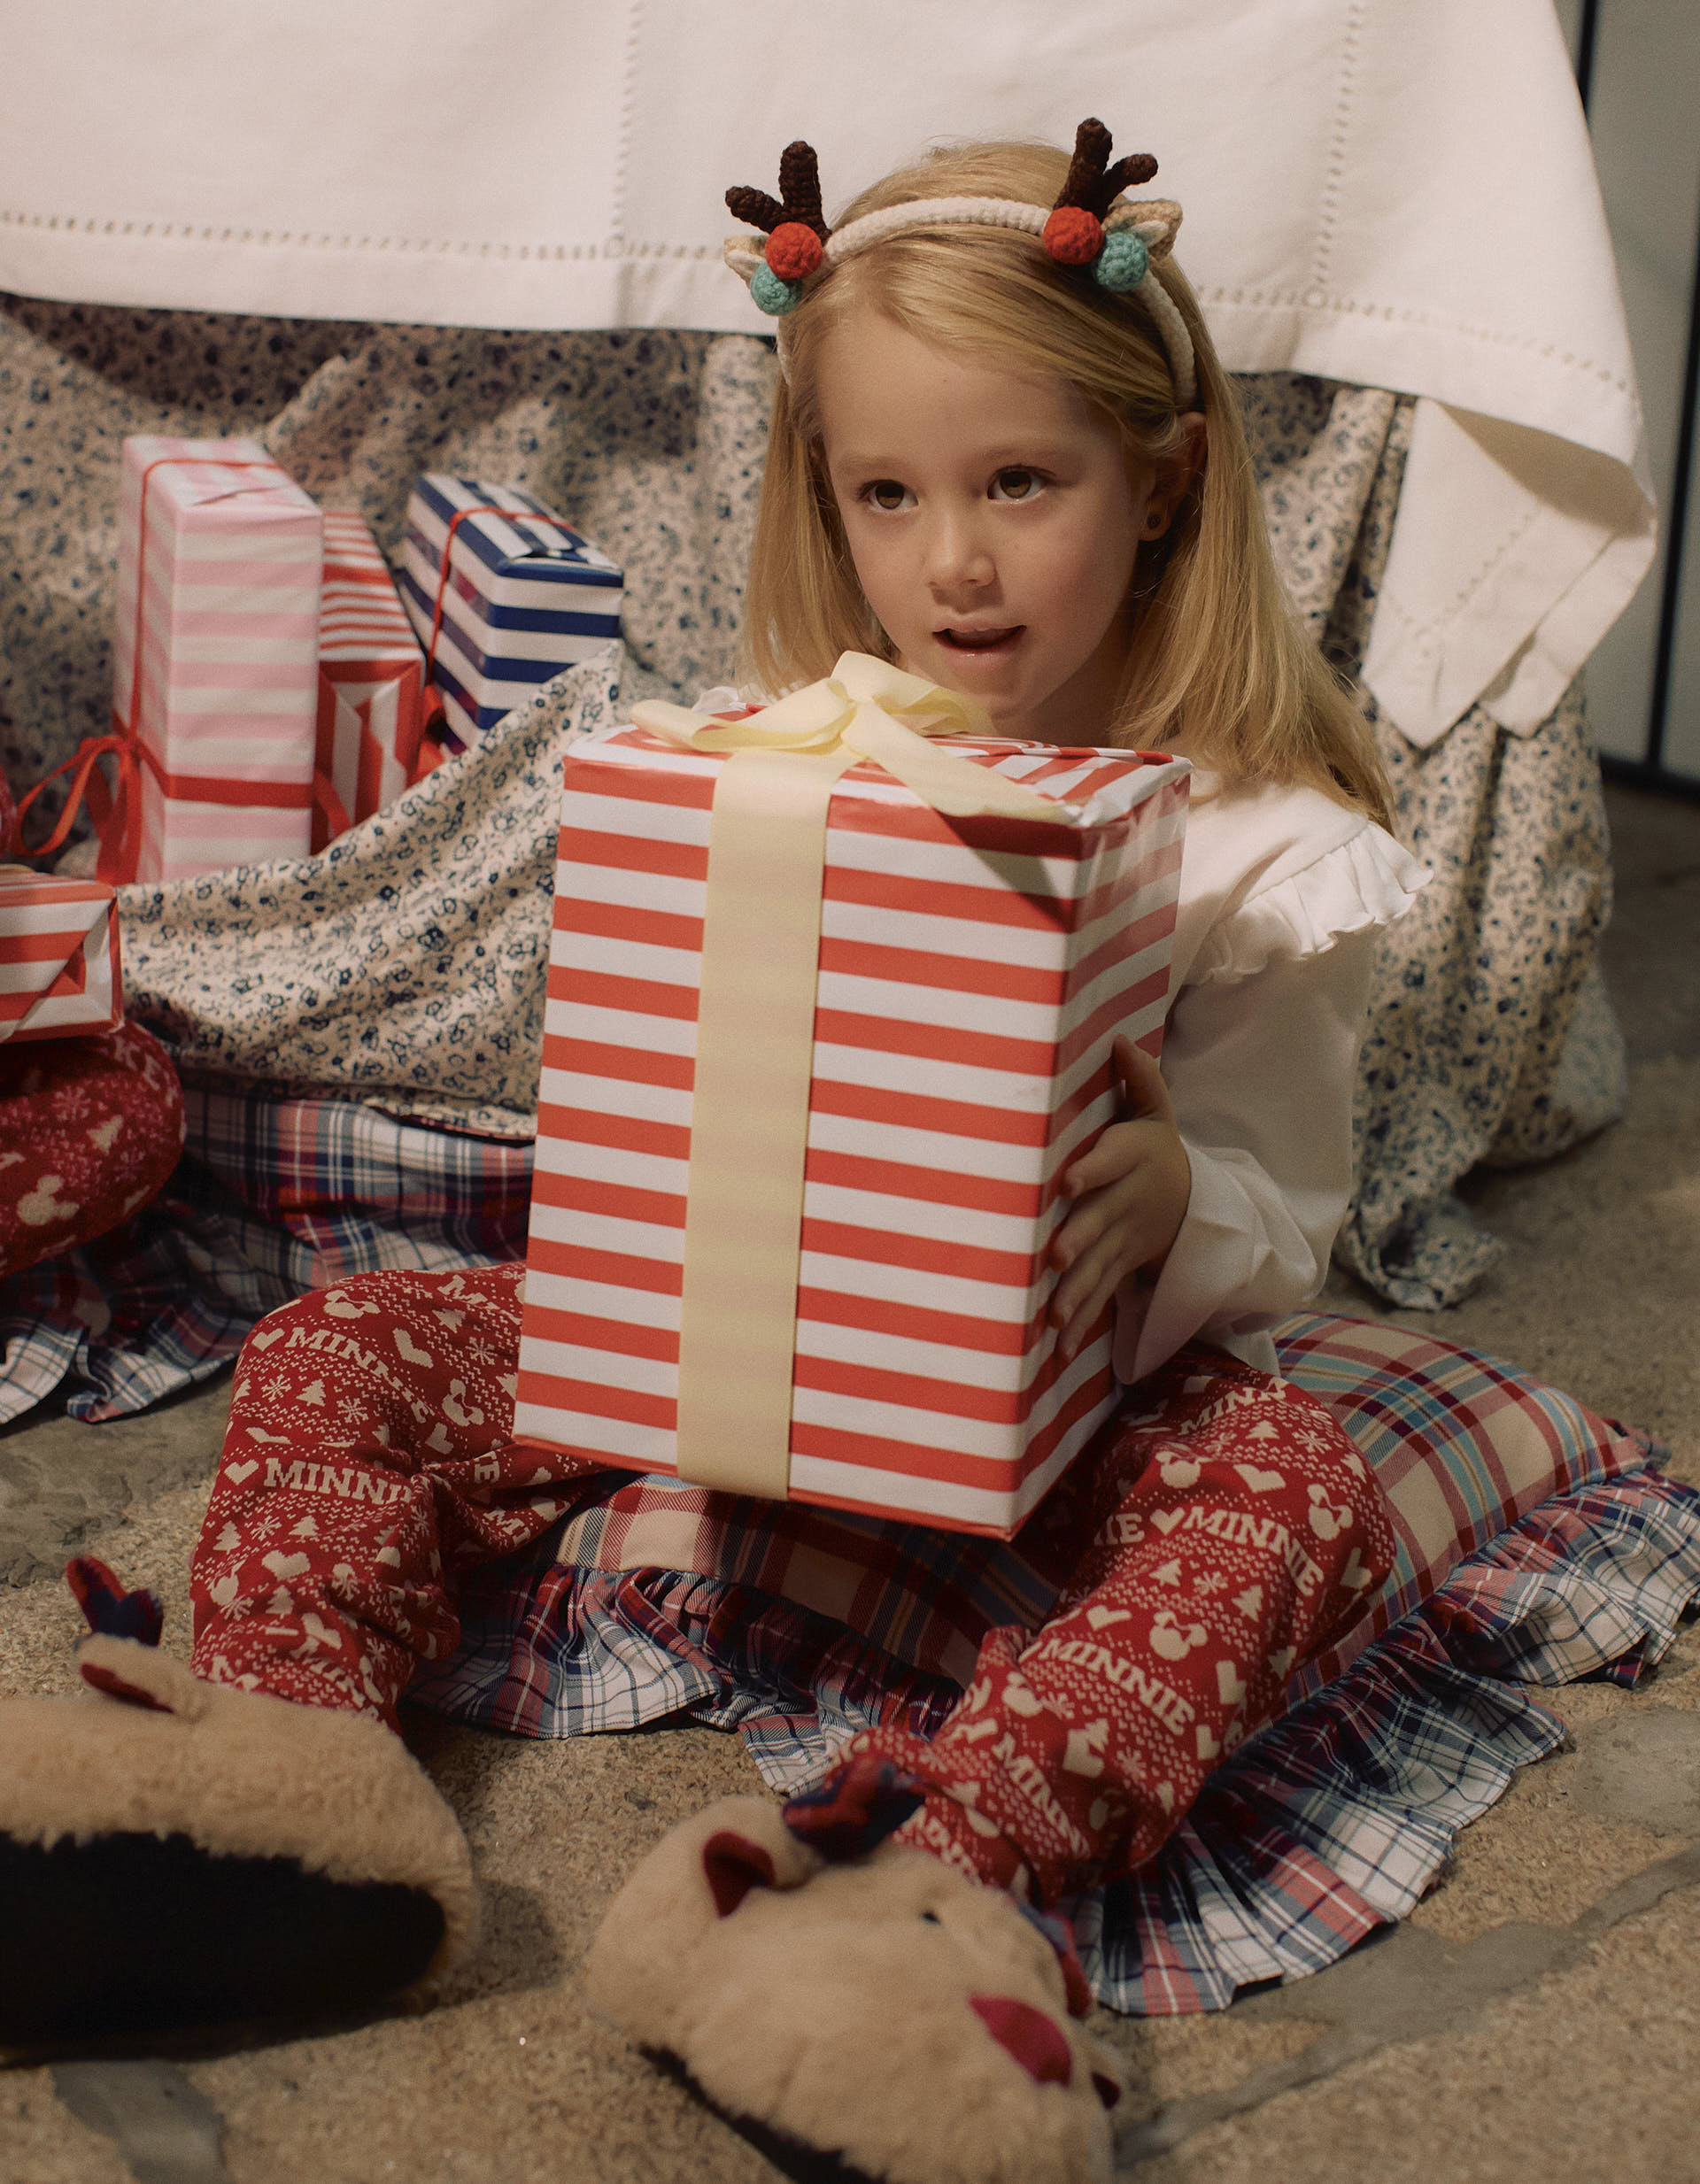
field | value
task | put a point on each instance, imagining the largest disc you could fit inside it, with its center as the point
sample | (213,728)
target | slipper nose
(1035,2040)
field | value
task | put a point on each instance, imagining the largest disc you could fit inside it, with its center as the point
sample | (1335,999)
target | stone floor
(1538,2016)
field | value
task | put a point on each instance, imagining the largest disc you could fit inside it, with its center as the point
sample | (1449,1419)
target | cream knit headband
(1083,228)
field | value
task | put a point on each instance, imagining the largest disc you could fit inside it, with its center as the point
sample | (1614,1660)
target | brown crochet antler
(1092,182)
(799,198)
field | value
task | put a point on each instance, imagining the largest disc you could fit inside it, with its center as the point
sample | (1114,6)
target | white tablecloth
(1374,191)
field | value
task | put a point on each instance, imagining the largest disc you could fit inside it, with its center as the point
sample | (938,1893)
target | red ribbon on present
(433,713)
(120,847)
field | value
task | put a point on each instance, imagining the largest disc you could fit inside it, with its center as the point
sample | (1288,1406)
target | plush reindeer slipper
(175,1854)
(860,1999)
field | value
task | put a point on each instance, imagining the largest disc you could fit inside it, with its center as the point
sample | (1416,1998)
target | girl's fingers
(1107,1163)
(1089,1285)
(1081,1322)
(1120,1150)
(1098,1210)
(1130,1193)
(1143,1088)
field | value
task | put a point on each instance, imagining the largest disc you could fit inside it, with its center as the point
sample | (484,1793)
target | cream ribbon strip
(755,1024)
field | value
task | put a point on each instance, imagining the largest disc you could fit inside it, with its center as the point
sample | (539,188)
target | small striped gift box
(59,974)
(371,683)
(216,653)
(504,594)
(971,974)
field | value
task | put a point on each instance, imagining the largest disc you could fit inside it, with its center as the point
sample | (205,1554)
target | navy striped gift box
(526,595)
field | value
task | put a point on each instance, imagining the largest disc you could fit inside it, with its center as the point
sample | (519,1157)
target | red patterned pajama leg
(369,1456)
(90,1130)
(1235,1532)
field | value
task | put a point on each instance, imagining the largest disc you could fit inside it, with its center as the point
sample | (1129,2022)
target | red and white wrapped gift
(832,996)
(59,973)
(371,684)
(215,660)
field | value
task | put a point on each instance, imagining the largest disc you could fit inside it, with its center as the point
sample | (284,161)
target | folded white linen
(1398,197)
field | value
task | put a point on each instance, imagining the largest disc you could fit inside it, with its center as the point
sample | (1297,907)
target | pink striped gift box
(215,655)
(60,976)
(971,975)
(371,683)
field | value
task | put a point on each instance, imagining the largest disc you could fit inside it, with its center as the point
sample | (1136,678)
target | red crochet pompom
(794,250)
(1073,237)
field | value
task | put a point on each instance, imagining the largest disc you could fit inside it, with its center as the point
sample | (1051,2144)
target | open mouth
(980,640)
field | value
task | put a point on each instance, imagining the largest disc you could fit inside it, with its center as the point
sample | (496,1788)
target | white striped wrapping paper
(973,976)
(524,598)
(228,688)
(371,676)
(60,976)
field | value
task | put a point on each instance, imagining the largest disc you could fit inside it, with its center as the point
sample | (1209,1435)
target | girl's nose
(958,554)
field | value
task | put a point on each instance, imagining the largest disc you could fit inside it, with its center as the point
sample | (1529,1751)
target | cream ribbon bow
(866,708)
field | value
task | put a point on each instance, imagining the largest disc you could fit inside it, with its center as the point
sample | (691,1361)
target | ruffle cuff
(1363,882)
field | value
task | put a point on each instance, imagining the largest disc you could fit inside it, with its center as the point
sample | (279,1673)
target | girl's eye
(887,495)
(1015,484)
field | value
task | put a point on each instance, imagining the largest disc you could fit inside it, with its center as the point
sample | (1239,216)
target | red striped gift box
(371,684)
(59,974)
(214,655)
(971,975)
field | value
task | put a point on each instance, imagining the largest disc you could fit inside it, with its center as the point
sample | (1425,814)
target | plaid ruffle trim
(1329,1823)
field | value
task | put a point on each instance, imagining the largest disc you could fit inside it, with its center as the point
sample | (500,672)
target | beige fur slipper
(176,1853)
(882,2009)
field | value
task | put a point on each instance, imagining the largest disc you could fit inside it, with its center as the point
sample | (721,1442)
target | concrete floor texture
(1537,2017)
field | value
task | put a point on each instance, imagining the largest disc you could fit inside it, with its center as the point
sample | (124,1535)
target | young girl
(1004,457)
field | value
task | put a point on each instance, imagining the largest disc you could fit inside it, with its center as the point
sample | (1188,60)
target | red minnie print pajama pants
(1231,1529)
(90,1130)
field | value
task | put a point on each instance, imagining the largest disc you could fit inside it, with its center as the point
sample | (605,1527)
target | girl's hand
(1130,1193)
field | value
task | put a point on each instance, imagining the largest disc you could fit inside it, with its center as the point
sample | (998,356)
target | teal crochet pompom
(772,295)
(1121,265)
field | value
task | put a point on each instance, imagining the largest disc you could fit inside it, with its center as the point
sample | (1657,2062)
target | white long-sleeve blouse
(1282,894)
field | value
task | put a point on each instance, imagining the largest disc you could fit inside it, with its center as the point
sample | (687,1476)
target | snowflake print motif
(1212,1581)
(354,1413)
(276,1386)
(70,1103)
(481,1353)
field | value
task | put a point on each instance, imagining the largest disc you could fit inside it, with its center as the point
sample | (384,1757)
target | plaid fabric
(1463,1444)
(275,1196)
(923,1597)
(1329,1823)
(548,1650)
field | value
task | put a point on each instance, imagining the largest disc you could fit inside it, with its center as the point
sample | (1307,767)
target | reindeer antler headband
(1084,228)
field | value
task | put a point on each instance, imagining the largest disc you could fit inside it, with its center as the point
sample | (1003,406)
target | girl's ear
(1176,473)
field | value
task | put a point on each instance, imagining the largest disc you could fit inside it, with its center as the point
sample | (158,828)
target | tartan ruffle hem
(1331,1822)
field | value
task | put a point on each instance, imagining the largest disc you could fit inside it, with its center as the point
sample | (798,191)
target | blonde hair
(1219,660)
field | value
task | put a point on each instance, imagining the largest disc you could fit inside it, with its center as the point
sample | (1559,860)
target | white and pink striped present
(371,683)
(60,976)
(215,658)
(971,974)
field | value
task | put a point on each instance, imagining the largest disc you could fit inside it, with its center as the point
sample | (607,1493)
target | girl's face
(993,521)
